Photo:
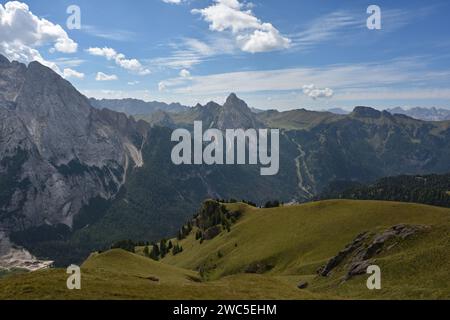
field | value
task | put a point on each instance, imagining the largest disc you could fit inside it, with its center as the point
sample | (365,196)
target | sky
(275,54)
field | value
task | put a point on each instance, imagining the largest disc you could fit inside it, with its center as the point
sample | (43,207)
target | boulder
(302,285)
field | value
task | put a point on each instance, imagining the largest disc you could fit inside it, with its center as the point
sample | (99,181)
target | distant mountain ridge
(337,111)
(235,113)
(427,114)
(136,107)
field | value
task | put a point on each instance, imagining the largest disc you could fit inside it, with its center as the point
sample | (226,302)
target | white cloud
(251,34)
(185,73)
(162,86)
(70,73)
(111,34)
(190,52)
(19,52)
(327,27)
(133,83)
(105,77)
(265,39)
(315,93)
(69,62)
(132,65)
(21,32)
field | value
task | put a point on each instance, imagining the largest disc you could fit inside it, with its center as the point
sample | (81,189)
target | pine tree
(155,252)
(146,251)
(163,248)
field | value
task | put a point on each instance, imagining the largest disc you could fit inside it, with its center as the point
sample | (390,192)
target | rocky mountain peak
(234,102)
(236,114)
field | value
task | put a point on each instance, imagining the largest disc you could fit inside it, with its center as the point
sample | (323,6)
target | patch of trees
(212,218)
(185,231)
(162,249)
(127,245)
(231,200)
(177,249)
(272,204)
(250,203)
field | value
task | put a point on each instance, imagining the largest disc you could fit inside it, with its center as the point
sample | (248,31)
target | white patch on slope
(12,257)
(135,154)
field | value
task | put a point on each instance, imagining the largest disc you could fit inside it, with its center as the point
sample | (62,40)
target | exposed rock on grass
(360,252)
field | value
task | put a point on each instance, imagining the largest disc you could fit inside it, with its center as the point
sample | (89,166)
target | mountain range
(136,107)
(427,114)
(75,177)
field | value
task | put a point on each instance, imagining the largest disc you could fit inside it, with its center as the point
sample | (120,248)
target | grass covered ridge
(280,246)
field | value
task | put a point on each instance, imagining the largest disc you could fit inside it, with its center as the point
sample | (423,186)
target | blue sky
(280,54)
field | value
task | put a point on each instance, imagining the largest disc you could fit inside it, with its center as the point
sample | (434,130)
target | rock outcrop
(357,256)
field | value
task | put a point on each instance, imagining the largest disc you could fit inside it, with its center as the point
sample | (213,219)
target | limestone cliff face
(56,151)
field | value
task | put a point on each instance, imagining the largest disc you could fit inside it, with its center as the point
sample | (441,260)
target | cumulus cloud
(315,93)
(132,65)
(70,73)
(105,77)
(19,52)
(22,33)
(162,86)
(185,73)
(251,34)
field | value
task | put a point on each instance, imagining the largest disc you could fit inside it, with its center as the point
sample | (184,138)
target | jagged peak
(234,102)
(232,99)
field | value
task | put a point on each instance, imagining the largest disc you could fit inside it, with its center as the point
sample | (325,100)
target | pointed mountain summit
(236,114)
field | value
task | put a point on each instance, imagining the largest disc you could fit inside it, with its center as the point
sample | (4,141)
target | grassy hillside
(118,274)
(297,240)
(283,246)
